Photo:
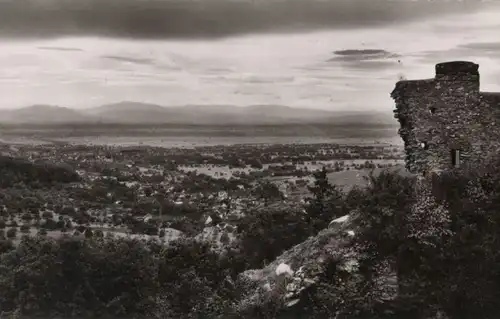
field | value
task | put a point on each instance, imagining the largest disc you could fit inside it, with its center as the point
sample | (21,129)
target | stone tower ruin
(447,122)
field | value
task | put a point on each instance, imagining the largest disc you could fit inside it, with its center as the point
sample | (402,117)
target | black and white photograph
(247,159)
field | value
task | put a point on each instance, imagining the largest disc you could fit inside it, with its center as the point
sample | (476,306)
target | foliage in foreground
(439,236)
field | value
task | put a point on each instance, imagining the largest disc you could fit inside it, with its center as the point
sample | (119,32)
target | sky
(325,54)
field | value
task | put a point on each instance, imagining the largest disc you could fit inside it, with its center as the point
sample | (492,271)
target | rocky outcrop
(306,262)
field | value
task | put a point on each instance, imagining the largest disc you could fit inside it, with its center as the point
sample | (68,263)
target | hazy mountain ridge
(42,113)
(144,113)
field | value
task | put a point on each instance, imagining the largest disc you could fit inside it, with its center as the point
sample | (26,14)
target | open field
(198,135)
(346,180)
(350,178)
(224,171)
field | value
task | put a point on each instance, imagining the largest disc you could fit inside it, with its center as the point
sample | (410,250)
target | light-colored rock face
(283,269)
(340,220)
(208,221)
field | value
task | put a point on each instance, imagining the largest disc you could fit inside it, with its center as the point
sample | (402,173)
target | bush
(275,228)
(25,228)
(49,224)
(47,215)
(225,238)
(435,233)
(6,246)
(255,163)
(60,224)
(190,276)
(88,233)
(11,232)
(188,226)
(107,278)
(27,217)
(98,233)
(81,229)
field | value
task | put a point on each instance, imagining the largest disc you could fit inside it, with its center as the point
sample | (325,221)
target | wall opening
(455,158)
(424,145)
(432,110)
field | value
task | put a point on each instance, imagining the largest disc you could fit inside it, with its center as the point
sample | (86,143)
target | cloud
(466,51)
(60,49)
(373,65)
(486,47)
(160,19)
(357,55)
(268,79)
(218,72)
(366,59)
(129,59)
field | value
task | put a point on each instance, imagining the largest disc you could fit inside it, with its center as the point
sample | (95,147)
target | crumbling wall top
(411,87)
(457,67)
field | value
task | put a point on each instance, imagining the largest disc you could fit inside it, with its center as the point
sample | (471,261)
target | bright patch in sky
(298,70)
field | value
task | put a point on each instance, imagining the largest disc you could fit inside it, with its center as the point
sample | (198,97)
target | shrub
(88,233)
(49,224)
(6,246)
(47,215)
(98,233)
(275,228)
(162,233)
(187,225)
(25,228)
(190,274)
(101,278)
(11,232)
(225,238)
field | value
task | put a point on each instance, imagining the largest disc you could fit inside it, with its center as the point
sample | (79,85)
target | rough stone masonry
(447,122)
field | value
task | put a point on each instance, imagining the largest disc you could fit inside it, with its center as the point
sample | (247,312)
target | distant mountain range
(144,113)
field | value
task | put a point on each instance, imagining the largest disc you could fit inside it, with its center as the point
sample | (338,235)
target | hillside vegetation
(14,170)
(434,240)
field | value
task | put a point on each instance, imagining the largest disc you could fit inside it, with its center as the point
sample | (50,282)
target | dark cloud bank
(156,19)
(356,55)
(366,59)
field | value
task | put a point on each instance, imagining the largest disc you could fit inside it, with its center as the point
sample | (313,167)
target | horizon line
(190,105)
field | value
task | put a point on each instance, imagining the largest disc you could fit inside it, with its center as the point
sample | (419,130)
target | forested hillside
(437,237)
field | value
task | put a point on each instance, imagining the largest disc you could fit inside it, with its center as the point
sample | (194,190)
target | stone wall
(447,113)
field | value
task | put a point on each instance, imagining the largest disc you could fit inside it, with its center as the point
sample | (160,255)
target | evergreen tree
(268,192)
(326,202)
